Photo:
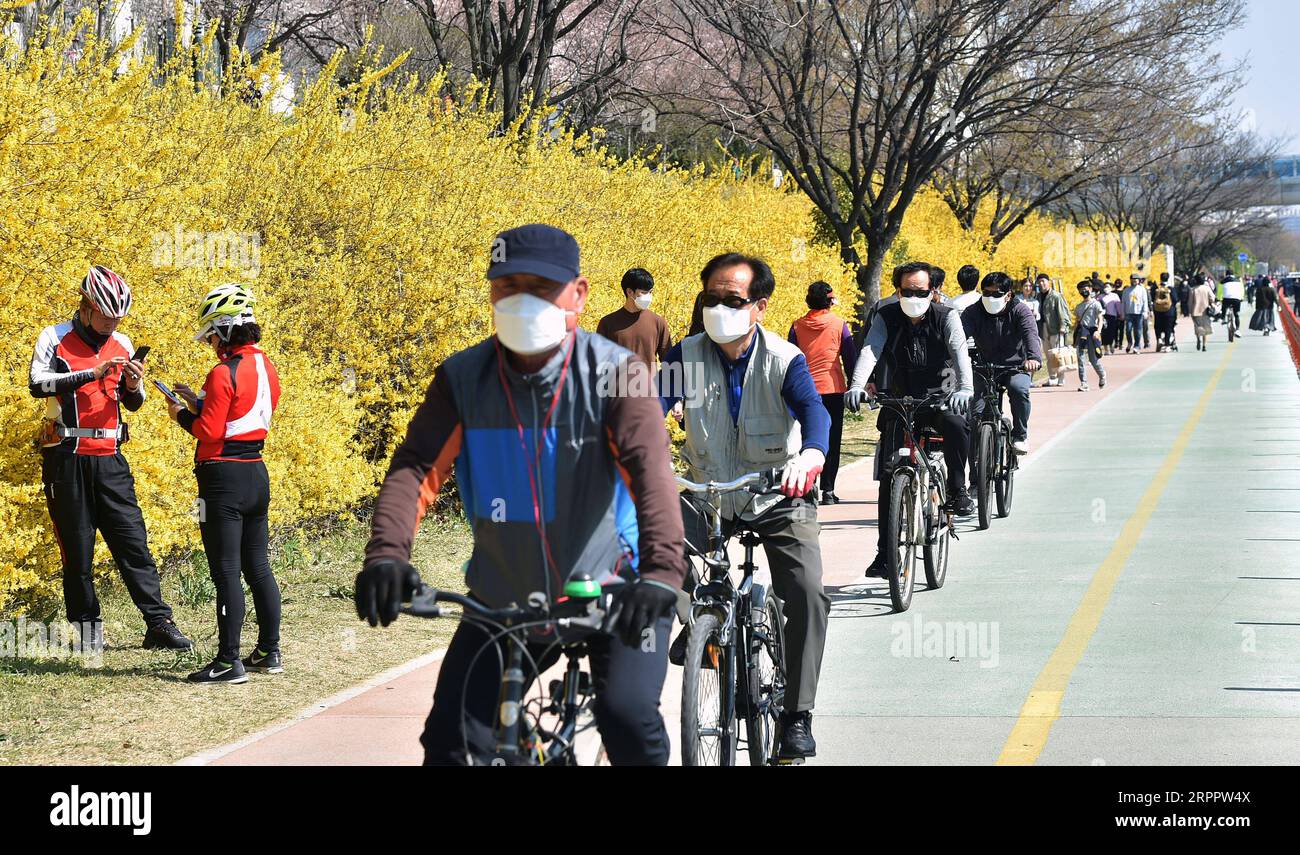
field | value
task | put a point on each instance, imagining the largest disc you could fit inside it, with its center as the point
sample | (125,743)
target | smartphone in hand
(140,353)
(169,394)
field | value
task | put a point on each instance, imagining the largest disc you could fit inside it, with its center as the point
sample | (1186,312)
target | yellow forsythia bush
(362,222)
(1042,244)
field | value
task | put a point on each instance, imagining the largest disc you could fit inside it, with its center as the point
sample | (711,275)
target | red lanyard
(523,444)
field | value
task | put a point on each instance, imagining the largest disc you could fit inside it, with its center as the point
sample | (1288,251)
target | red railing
(1290,326)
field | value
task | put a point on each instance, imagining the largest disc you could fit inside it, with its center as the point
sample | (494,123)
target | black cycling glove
(639,607)
(382,587)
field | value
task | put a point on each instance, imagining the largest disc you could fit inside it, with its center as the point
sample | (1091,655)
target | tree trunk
(868,277)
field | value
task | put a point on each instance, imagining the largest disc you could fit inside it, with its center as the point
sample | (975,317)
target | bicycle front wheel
(935,552)
(900,539)
(984,463)
(1007,477)
(767,682)
(708,697)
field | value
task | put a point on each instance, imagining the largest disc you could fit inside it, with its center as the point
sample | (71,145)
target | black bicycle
(734,669)
(541,731)
(995,460)
(919,516)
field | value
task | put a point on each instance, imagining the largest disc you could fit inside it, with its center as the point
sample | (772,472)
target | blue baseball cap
(538,249)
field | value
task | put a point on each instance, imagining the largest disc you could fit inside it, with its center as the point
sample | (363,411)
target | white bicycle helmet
(224,308)
(107,292)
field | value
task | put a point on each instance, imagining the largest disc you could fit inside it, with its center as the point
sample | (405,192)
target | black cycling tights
(234,497)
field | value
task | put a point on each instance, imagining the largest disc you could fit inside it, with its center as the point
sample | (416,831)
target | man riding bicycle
(1005,335)
(559,477)
(1234,291)
(751,405)
(920,348)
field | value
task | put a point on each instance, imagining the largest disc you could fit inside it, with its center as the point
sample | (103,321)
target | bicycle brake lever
(423,604)
(594,622)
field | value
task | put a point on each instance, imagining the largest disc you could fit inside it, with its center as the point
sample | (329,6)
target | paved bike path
(887,697)
(1140,605)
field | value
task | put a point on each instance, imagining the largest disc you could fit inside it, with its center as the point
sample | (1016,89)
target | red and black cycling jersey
(63,369)
(240,394)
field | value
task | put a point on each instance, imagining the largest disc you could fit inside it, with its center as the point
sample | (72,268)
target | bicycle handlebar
(756,482)
(424,604)
(905,401)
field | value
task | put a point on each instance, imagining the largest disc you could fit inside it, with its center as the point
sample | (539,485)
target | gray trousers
(1089,348)
(789,532)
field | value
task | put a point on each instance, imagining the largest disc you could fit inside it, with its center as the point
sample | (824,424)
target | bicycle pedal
(789,761)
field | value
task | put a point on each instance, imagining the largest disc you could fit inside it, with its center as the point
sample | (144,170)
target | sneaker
(217,671)
(263,663)
(166,635)
(962,504)
(1101,382)
(829,498)
(797,741)
(1020,446)
(877,569)
(677,650)
(1083,387)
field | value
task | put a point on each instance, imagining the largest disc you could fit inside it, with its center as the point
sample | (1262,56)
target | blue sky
(1270,41)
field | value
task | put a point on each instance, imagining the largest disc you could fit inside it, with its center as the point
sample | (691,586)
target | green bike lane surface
(1193,656)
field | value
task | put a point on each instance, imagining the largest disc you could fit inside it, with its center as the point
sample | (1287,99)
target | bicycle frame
(907,407)
(508,624)
(718,594)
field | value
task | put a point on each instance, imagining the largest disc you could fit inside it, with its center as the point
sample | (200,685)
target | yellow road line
(1043,705)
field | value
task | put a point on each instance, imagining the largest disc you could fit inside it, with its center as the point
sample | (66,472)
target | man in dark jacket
(558,477)
(1005,335)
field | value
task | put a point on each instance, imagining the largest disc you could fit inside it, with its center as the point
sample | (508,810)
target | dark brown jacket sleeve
(420,466)
(634,426)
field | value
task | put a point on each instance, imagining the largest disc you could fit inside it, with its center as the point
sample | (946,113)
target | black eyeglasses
(731,301)
(914,292)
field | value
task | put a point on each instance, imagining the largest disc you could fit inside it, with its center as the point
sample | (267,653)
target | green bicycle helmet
(226,307)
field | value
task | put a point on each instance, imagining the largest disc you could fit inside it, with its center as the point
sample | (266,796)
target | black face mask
(86,331)
(1085,294)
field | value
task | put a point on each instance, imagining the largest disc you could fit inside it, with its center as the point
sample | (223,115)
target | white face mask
(994,305)
(643,301)
(724,324)
(528,325)
(914,307)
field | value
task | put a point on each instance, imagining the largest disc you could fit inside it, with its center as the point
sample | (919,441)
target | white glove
(801,473)
(960,401)
(854,398)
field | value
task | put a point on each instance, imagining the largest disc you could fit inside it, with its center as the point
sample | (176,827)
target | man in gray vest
(751,405)
(920,348)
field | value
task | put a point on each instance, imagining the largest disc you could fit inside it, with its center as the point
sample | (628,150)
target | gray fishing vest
(765,435)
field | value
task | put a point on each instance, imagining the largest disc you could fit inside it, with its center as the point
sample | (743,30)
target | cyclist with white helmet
(84,370)
(230,421)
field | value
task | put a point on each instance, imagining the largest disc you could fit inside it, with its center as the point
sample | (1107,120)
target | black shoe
(962,504)
(797,741)
(829,498)
(220,672)
(677,650)
(263,663)
(166,635)
(877,568)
